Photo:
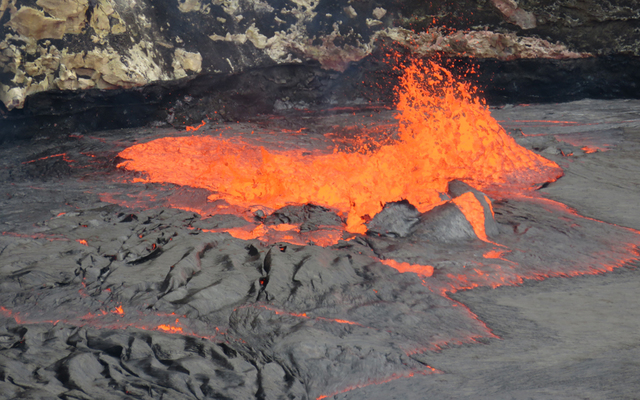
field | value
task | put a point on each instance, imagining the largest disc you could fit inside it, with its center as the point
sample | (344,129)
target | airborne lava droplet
(445,133)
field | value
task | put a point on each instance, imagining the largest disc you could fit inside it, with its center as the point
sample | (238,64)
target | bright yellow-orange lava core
(445,133)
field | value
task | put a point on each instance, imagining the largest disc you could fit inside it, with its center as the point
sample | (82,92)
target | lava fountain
(445,132)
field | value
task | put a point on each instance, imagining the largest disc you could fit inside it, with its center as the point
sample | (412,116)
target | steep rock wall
(78,45)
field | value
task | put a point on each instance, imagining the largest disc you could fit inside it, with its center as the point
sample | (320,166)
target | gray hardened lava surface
(114,289)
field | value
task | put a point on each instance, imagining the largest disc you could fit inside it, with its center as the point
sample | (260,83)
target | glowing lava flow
(408,374)
(422,270)
(445,133)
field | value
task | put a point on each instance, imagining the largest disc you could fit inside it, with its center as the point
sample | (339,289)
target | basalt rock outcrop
(298,52)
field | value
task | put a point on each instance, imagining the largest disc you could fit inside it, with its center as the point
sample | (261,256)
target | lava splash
(445,132)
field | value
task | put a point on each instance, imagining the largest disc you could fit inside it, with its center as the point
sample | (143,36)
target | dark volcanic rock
(395,220)
(309,217)
(80,65)
(457,188)
(79,362)
(444,223)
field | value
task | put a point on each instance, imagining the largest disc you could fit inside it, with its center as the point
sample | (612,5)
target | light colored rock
(231,7)
(254,36)
(7,4)
(72,11)
(350,11)
(379,12)
(480,44)
(240,38)
(185,61)
(73,60)
(189,5)
(67,79)
(33,64)
(33,23)
(100,18)
(84,83)
(138,68)
(118,28)
(18,78)
(12,97)
(97,58)
(515,15)
(51,59)
(33,68)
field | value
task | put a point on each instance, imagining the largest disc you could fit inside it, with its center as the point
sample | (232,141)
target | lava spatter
(445,133)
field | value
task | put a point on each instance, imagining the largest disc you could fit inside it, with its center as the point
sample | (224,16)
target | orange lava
(51,238)
(590,150)
(304,315)
(474,212)
(445,133)
(422,270)
(284,233)
(63,155)
(194,128)
(169,328)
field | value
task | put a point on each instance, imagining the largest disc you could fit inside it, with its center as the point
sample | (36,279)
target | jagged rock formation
(78,45)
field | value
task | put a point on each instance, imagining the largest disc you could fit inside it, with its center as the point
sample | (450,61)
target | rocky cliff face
(81,45)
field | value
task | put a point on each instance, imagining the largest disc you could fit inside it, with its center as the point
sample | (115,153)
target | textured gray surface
(204,315)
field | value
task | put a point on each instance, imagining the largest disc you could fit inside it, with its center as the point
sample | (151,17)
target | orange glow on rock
(170,328)
(284,233)
(400,375)
(422,270)
(590,150)
(494,254)
(474,212)
(305,316)
(82,242)
(445,133)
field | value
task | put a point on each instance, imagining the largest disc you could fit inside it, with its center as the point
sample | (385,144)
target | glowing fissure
(48,237)
(305,316)
(409,374)
(474,212)
(325,236)
(115,319)
(63,155)
(422,270)
(445,133)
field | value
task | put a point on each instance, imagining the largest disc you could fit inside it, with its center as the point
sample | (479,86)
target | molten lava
(422,270)
(445,133)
